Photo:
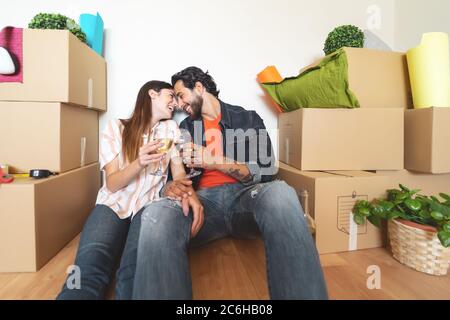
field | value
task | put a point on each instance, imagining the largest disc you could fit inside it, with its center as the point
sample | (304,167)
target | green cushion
(321,86)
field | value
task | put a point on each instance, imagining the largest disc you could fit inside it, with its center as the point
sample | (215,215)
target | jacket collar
(225,120)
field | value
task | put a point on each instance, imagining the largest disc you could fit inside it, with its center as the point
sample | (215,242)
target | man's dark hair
(191,75)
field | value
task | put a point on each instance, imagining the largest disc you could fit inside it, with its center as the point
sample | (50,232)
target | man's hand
(200,157)
(198,214)
(196,156)
(179,190)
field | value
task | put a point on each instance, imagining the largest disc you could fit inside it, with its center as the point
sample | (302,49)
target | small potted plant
(57,21)
(344,36)
(418,227)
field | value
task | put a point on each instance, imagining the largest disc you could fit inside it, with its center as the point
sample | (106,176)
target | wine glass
(166,137)
(185,138)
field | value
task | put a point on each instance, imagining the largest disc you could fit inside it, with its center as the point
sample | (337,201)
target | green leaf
(401,196)
(393,215)
(446,227)
(413,205)
(424,214)
(379,211)
(404,215)
(404,188)
(364,211)
(376,221)
(387,205)
(437,215)
(435,206)
(392,193)
(362,203)
(444,237)
(435,199)
(445,196)
(359,219)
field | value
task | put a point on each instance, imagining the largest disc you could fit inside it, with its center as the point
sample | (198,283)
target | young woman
(130,159)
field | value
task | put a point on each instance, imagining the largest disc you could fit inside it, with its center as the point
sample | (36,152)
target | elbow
(110,186)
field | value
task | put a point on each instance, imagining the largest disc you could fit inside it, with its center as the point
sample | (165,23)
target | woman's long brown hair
(139,122)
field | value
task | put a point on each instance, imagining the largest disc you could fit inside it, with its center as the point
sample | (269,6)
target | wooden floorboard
(236,269)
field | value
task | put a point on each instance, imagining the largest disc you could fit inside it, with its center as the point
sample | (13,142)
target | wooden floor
(235,269)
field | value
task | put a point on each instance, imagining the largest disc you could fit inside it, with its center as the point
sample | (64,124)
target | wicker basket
(418,249)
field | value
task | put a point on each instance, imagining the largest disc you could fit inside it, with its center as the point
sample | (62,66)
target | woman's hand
(146,155)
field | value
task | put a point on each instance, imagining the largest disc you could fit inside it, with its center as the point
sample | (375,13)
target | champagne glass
(166,137)
(185,138)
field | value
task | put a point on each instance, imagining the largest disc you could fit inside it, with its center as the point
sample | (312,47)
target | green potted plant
(57,21)
(344,36)
(417,225)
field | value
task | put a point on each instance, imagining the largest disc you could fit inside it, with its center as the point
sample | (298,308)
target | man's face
(189,100)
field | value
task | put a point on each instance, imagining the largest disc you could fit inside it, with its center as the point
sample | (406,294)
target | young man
(239,197)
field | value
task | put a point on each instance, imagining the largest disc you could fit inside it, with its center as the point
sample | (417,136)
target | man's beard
(196,107)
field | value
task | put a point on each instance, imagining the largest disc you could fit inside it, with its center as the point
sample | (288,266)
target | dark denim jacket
(245,140)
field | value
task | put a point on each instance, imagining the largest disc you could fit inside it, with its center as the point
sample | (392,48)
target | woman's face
(163,103)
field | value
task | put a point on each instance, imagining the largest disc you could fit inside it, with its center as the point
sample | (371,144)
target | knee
(278,196)
(278,203)
(163,222)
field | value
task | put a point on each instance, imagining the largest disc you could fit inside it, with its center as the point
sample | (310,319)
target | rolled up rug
(429,71)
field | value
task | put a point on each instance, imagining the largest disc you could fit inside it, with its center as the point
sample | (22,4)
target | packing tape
(90,93)
(352,234)
(4,168)
(21,175)
(83,151)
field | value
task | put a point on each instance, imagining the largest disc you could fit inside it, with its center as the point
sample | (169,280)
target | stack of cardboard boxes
(340,156)
(50,121)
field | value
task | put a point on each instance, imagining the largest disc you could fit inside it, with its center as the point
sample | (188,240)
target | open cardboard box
(379,79)
(58,67)
(39,217)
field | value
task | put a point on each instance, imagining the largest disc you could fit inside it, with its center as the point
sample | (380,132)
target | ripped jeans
(271,210)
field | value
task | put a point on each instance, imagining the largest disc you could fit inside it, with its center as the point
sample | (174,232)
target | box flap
(353,173)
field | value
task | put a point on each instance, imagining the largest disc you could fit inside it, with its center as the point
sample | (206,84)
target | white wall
(233,39)
(415,17)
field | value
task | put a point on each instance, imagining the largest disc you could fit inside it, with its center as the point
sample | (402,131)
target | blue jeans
(271,210)
(105,240)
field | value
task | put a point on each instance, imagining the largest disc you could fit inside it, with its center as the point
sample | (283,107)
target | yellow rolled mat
(429,71)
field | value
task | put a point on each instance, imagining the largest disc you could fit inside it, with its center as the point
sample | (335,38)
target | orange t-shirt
(213,136)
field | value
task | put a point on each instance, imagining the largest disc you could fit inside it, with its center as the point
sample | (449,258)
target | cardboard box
(427,140)
(39,217)
(58,67)
(331,197)
(342,139)
(379,79)
(53,136)
(429,184)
